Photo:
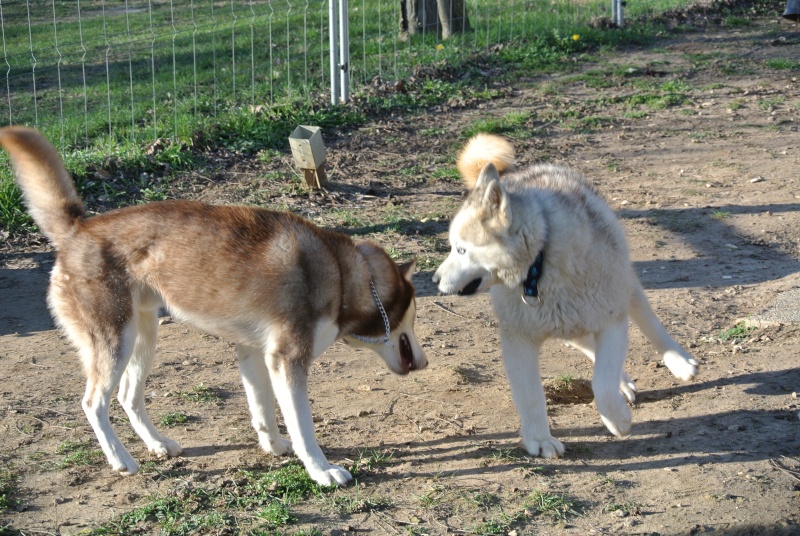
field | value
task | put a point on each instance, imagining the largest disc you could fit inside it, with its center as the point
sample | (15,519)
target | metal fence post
(616,12)
(333,29)
(344,51)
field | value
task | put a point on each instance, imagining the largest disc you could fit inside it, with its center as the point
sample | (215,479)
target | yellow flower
(440,47)
(576,37)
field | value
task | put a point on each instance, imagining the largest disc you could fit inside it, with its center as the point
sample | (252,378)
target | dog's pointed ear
(407,269)
(495,203)
(488,173)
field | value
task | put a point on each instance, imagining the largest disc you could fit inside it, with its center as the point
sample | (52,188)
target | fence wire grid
(143,69)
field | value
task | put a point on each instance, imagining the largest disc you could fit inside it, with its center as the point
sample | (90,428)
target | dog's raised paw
(682,366)
(547,448)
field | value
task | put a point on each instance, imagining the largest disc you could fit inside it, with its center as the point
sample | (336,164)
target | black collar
(530,287)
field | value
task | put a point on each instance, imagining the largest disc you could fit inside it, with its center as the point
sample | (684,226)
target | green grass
(200,394)
(8,489)
(737,332)
(255,502)
(369,460)
(276,514)
(564,381)
(253,112)
(355,503)
(446,174)
(343,217)
(557,506)
(78,453)
(737,104)
(737,22)
(651,96)
(630,508)
(783,64)
(174,419)
(497,525)
(429,499)
(174,515)
(605,480)
(484,499)
(510,124)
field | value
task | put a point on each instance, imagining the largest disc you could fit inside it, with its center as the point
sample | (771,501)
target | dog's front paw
(165,448)
(333,476)
(548,447)
(127,467)
(277,446)
(682,365)
(617,418)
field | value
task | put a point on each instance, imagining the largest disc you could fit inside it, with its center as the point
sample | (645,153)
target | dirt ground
(709,193)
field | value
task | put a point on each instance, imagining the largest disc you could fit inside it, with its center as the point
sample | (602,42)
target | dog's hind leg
(261,399)
(521,361)
(586,344)
(105,361)
(680,363)
(97,319)
(132,384)
(612,349)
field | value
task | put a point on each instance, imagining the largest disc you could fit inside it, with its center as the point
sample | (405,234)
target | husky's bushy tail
(483,149)
(49,192)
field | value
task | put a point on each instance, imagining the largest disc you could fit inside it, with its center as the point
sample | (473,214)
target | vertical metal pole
(344,51)
(616,12)
(333,30)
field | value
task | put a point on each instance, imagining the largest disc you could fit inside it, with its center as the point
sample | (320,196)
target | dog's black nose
(471,288)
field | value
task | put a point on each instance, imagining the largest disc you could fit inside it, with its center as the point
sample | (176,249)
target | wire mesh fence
(143,69)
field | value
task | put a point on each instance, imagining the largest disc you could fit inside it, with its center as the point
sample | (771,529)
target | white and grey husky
(281,288)
(556,262)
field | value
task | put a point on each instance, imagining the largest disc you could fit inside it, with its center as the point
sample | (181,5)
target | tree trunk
(417,16)
(453,17)
(447,17)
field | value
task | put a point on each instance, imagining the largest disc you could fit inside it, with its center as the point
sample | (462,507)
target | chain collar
(375,340)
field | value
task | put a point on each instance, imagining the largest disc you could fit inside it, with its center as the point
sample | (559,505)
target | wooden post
(308,150)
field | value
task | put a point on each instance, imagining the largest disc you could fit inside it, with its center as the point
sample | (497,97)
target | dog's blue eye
(461,251)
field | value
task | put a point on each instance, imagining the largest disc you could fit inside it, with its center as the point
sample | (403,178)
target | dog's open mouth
(470,288)
(406,353)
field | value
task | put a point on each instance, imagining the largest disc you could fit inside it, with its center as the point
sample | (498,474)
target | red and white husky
(281,288)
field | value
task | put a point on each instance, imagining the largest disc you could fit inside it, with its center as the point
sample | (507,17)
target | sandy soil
(708,192)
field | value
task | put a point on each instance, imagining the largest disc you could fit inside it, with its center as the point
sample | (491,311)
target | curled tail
(484,149)
(49,192)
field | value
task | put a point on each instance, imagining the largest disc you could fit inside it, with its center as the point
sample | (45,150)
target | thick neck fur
(524,237)
(531,225)
(360,308)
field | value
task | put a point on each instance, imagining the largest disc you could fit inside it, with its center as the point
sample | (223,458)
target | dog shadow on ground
(717,437)
(24,279)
